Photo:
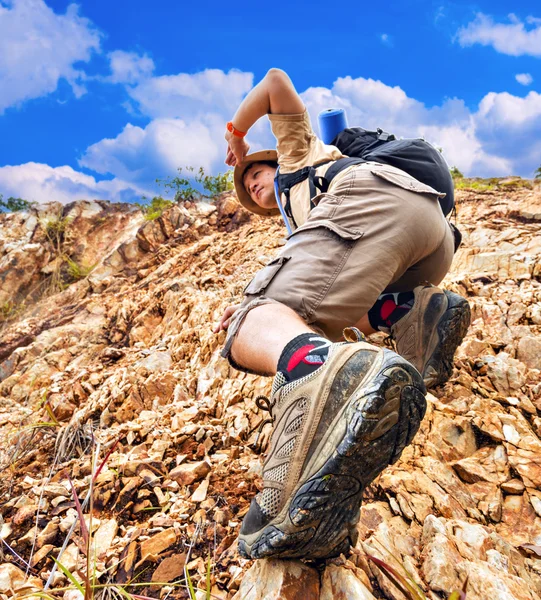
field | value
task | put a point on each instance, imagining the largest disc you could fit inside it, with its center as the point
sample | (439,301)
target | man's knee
(235,325)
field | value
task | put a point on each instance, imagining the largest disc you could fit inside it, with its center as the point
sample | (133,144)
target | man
(366,256)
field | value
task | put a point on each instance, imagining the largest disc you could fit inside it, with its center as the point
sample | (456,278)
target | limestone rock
(14,581)
(507,374)
(170,568)
(157,543)
(104,536)
(440,557)
(529,351)
(187,473)
(339,583)
(486,581)
(271,579)
(124,368)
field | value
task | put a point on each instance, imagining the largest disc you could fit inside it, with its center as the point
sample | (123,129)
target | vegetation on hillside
(186,188)
(14,204)
(183,187)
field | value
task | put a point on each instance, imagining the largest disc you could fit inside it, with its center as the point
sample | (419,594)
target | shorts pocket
(332,215)
(405,181)
(264,276)
(346,233)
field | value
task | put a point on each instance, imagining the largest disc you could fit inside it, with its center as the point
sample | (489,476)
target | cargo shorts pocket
(264,276)
(405,181)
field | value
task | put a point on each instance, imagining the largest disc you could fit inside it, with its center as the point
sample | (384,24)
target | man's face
(259,183)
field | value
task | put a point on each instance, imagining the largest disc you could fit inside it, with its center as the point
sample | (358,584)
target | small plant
(15,204)
(55,230)
(155,208)
(181,186)
(66,269)
(537,174)
(478,185)
(9,310)
(208,584)
(403,580)
(456,173)
(215,184)
(184,189)
(78,271)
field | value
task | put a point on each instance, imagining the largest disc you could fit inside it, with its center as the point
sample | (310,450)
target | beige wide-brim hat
(242,194)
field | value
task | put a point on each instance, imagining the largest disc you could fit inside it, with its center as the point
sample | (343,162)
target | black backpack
(414,156)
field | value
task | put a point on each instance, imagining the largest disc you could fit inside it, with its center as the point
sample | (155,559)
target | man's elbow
(277,77)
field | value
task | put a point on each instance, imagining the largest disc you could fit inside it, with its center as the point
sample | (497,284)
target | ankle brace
(303,355)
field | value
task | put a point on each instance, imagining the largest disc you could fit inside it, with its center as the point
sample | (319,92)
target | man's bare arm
(274,94)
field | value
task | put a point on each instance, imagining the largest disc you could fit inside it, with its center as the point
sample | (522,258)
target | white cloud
(373,104)
(506,110)
(39,47)
(524,78)
(188,96)
(43,183)
(510,126)
(190,111)
(514,38)
(129,67)
(189,114)
(141,155)
(440,13)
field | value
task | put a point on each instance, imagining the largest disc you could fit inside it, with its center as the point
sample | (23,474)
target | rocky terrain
(113,396)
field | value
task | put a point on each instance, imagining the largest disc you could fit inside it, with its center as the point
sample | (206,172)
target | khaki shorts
(379,230)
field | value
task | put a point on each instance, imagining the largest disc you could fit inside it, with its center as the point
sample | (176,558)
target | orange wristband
(231,128)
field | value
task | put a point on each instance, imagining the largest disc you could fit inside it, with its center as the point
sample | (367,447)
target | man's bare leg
(264,334)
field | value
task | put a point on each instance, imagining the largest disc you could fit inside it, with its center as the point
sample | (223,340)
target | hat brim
(242,194)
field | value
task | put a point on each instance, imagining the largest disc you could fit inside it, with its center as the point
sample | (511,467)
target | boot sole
(451,329)
(379,420)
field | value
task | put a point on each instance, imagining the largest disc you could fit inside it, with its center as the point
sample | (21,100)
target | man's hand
(226,318)
(237,149)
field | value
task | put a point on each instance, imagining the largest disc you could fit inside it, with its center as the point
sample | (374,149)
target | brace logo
(308,354)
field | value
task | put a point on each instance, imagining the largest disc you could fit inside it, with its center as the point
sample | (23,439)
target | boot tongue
(279,381)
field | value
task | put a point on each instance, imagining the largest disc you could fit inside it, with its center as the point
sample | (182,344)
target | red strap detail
(298,356)
(387,309)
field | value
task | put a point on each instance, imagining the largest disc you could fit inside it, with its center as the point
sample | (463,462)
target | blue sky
(99,98)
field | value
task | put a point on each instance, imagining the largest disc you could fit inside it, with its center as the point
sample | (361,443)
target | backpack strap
(323,183)
(287,180)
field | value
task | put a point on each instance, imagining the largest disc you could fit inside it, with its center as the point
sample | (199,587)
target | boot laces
(389,341)
(263,403)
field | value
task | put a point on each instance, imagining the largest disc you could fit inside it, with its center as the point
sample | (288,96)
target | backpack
(414,156)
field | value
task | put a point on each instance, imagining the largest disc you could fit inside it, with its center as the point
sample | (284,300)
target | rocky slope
(115,384)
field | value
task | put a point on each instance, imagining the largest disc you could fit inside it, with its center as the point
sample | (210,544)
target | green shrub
(15,204)
(9,310)
(478,185)
(215,184)
(455,173)
(183,187)
(55,230)
(537,174)
(155,208)
(77,271)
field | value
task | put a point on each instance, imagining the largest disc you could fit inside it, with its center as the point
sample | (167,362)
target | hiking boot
(429,334)
(335,430)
